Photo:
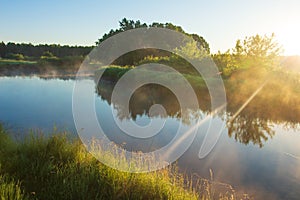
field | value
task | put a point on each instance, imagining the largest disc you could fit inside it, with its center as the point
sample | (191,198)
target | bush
(16,56)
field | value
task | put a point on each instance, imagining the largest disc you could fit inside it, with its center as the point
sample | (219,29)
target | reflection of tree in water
(246,129)
(253,124)
(142,100)
(146,96)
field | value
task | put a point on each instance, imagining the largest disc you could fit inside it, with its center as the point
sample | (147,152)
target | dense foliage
(255,51)
(20,51)
(131,24)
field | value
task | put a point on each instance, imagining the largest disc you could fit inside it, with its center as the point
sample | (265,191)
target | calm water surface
(265,163)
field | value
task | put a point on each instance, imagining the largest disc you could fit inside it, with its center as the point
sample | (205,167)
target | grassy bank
(5,62)
(42,67)
(60,168)
(114,73)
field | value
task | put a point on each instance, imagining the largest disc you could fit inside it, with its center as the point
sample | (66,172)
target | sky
(220,22)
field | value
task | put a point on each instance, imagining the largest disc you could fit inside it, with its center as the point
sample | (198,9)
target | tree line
(261,51)
(29,51)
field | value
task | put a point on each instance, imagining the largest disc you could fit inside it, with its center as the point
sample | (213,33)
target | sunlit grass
(10,189)
(60,168)
(57,167)
(114,72)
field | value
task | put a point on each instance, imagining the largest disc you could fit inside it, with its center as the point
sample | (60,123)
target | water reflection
(253,125)
(265,173)
(142,99)
(246,129)
(271,172)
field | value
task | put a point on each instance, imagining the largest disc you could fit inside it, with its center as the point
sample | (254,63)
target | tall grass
(60,168)
(10,189)
(57,168)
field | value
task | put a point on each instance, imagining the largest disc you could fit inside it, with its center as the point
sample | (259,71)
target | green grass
(10,189)
(15,62)
(57,167)
(114,72)
(60,168)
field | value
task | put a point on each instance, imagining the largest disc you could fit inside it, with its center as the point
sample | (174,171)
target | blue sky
(221,23)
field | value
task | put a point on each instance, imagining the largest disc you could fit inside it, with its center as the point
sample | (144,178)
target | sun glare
(289,38)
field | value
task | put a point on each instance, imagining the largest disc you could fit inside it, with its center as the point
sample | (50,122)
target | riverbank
(239,87)
(60,168)
(62,70)
(29,68)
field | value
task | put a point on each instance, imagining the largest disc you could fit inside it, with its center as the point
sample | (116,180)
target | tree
(48,54)
(126,24)
(201,43)
(2,49)
(226,62)
(192,50)
(16,56)
(35,51)
(257,51)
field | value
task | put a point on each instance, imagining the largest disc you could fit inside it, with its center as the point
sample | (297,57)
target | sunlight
(150,100)
(288,36)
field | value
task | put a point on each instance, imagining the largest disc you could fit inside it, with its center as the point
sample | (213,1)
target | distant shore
(32,68)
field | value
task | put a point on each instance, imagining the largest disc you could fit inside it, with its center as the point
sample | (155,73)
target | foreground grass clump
(10,189)
(57,168)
